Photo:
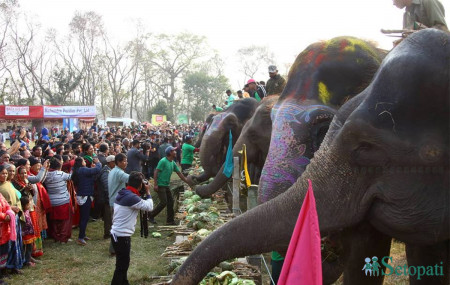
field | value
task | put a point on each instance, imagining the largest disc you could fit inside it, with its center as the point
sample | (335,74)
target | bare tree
(172,55)
(88,30)
(118,72)
(253,58)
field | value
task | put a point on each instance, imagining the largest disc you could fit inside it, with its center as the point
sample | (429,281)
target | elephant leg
(428,257)
(361,242)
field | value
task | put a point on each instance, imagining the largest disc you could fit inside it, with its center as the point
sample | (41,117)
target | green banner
(182,119)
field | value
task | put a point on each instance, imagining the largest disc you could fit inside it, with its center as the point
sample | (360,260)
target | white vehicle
(117,122)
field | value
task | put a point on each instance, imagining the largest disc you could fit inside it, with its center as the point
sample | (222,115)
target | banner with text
(17,110)
(69,111)
(158,119)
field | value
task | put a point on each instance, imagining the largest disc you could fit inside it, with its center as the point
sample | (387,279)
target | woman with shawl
(42,206)
(5,231)
(35,192)
(15,259)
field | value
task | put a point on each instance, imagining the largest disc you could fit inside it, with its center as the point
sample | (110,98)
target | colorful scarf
(132,189)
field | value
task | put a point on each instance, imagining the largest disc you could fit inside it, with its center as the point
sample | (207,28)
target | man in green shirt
(163,172)
(187,155)
(230,98)
(217,109)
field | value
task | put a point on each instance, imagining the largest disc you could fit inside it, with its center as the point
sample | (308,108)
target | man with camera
(126,208)
(135,157)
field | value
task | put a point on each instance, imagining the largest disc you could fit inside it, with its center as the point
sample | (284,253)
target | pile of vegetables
(225,278)
(200,213)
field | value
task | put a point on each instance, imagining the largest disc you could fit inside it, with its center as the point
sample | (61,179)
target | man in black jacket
(135,157)
(103,196)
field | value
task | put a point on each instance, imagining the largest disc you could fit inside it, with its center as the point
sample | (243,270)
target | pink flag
(303,262)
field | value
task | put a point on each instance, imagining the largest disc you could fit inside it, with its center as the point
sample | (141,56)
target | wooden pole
(252,201)
(236,183)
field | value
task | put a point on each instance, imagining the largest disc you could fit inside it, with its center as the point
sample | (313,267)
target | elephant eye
(369,154)
(364,146)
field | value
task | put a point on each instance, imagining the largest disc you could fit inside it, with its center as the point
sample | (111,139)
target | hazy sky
(287,27)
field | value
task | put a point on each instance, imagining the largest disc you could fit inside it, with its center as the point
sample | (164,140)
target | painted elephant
(214,142)
(323,77)
(256,136)
(384,162)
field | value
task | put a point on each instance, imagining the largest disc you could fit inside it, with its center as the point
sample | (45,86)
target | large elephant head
(384,160)
(214,143)
(323,77)
(256,136)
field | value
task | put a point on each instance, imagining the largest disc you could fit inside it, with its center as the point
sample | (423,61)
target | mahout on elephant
(215,139)
(384,163)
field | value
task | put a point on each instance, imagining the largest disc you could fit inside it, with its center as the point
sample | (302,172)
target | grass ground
(74,264)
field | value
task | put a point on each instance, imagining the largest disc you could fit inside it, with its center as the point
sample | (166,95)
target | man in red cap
(256,91)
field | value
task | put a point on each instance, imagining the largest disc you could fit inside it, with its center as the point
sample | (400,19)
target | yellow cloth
(245,95)
(9,192)
(244,157)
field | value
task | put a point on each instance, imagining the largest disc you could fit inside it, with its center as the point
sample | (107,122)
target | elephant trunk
(207,190)
(220,179)
(194,179)
(269,226)
(250,237)
(282,168)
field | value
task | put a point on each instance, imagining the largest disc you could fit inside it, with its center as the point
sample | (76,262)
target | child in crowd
(28,234)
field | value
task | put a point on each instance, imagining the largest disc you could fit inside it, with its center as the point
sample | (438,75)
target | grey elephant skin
(256,136)
(214,141)
(384,161)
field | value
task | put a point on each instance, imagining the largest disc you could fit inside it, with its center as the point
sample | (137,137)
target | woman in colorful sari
(11,195)
(27,185)
(5,231)
(42,206)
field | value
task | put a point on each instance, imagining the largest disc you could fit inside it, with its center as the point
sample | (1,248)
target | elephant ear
(231,122)
(320,122)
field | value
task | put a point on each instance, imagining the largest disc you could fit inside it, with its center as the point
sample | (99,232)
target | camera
(143,191)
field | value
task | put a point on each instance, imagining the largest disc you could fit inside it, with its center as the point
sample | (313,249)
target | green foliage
(203,90)
(161,108)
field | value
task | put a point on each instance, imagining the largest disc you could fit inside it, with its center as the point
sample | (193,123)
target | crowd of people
(61,180)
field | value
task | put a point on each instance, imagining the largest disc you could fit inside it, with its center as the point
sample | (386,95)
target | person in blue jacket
(84,179)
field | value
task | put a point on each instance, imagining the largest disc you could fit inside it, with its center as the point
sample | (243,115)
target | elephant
(322,77)
(214,142)
(384,162)
(256,136)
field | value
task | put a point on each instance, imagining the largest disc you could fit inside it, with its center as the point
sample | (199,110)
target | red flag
(303,263)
